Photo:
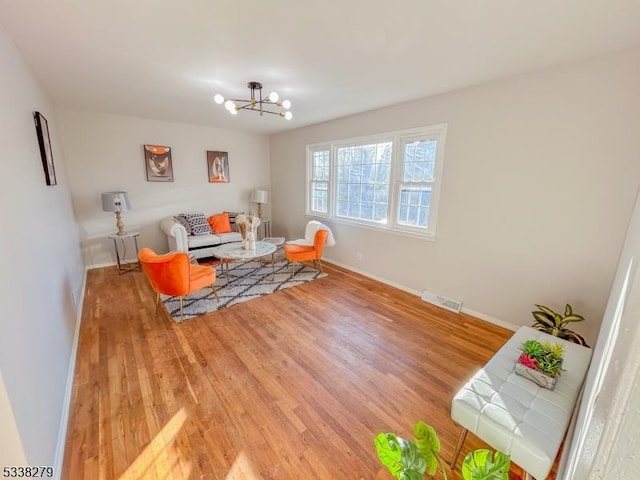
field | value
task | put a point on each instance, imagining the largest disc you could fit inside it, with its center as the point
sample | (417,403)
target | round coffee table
(234,251)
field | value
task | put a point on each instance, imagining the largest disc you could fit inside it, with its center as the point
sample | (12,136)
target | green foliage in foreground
(412,460)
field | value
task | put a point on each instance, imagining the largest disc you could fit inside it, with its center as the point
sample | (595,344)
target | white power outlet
(359,256)
(73,299)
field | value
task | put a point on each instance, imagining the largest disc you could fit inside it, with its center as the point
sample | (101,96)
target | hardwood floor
(294,385)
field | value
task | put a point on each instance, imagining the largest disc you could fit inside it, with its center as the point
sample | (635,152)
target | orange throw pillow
(220,223)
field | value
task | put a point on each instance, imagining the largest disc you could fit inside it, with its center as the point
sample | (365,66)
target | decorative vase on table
(250,242)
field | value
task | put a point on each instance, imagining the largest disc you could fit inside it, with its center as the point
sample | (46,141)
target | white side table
(124,267)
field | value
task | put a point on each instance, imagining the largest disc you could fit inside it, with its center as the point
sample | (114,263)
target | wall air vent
(443,302)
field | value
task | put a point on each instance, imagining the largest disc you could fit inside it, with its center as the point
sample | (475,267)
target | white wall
(105,152)
(11,451)
(606,441)
(41,268)
(539,180)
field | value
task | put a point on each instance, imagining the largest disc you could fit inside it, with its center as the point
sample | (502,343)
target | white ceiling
(165,59)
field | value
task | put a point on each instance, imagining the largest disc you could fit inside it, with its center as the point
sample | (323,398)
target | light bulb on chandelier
(256,102)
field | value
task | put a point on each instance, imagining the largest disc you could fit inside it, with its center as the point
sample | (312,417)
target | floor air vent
(440,301)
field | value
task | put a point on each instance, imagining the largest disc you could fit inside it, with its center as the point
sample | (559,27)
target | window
(319,181)
(362,181)
(389,181)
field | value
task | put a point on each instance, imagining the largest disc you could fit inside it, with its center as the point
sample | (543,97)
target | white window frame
(398,139)
(311,180)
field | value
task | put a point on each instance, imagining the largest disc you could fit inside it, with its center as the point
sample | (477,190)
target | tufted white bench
(513,414)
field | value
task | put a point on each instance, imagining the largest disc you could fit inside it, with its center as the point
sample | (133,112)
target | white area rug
(246,281)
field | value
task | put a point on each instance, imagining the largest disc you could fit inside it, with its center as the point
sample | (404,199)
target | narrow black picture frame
(44,141)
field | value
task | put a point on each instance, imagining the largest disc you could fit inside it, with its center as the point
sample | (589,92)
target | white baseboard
(66,404)
(101,265)
(490,319)
(468,311)
(374,277)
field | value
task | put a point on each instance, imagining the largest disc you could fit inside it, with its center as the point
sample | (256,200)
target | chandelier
(258,104)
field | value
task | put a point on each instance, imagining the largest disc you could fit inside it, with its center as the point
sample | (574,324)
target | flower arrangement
(543,362)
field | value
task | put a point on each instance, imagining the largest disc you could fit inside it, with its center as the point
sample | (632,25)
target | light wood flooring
(294,385)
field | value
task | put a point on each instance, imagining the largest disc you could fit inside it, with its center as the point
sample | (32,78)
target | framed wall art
(218,167)
(42,130)
(157,161)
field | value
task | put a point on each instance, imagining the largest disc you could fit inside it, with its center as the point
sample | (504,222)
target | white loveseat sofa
(199,246)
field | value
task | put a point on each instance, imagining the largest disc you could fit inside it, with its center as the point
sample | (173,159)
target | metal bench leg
(456,453)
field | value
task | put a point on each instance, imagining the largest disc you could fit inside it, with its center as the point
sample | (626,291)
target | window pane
(343,192)
(320,197)
(414,202)
(320,165)
(419,161)
(363,173)
(381,194)
(380,212)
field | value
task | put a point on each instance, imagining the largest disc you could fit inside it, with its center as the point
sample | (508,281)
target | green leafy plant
(548,321)
(409,460)
(484,464)
(544,357)
(556,349)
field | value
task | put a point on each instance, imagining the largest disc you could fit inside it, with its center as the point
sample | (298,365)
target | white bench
(513,414)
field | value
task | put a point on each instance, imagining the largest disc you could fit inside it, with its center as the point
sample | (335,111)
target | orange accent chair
(303,253)
(173,274)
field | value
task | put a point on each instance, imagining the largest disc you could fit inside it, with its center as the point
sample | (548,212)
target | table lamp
(259,197)
(116,202)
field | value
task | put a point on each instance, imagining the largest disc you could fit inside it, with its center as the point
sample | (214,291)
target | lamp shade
(260,196)
(115,202)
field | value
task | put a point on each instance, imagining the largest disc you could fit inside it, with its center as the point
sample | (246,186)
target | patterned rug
(246,281)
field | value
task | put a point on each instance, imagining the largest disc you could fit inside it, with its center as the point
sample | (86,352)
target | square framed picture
(157,161)
(42,130)
(218,167)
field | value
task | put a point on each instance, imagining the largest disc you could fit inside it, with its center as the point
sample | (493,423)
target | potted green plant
(483,464)
(409,460)
(555,324)
(412,460)
(540,362)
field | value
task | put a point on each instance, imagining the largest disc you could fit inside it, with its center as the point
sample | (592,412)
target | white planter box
(545,381)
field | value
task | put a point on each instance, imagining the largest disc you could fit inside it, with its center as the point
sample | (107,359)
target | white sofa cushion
(197,241)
